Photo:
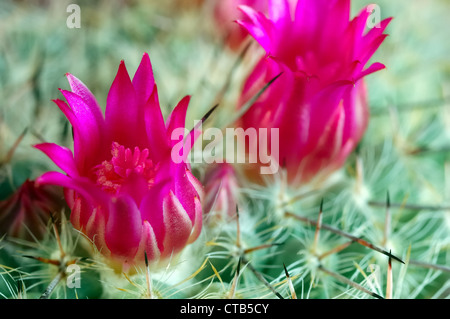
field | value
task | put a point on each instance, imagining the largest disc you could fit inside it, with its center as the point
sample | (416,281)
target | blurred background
(405,150)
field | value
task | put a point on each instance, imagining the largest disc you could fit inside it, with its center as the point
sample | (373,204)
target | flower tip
(38,182)
(243,8)
(186,99)
(239,22)
(70,78)
(122,71)
(36,146)
(389,20)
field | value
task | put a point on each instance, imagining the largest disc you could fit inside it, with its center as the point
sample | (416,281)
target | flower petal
(81,90)
(177,117)
(81,185)
(197,222)
(177,223)
(148,244)
(82,111)
(356,112)
(279,11)
(143,80)
(258,26)
(95,228)
(185,190)
(152,210)
(61,156)
(371,69)
(156,130)
(135,186)
(124,227)
(121,114)
(85,138)
(322,108)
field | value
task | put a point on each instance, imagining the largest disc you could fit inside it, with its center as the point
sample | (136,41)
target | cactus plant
(376,226)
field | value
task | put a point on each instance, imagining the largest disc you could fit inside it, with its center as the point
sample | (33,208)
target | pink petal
(259,27)
(371,69)
(90,123)
(67,111)
(356,112)
(82,208)
(177,223)
(148,244)
(334,20)
(197,222)
(365,43)
(177,118)
(75,206)
(156,131)
(307,18)
(95,228)
(124,227)
(377,30)
(346,149)
(368,51)
(143,80)
(361,22)
(81,185)
(184,190)
(188,143)
(152,210)
(196,184)
(84,114)
(279,11)
(136,186)
(121,114)
(80,89)
(330,143)
(73,120)
(322,109)
(341,13)
(175,121)
(61,156)
(84,145)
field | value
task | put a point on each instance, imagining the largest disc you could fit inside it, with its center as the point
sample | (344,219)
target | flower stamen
(112,174)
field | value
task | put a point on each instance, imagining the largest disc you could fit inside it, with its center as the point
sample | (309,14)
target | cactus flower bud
(221,191)
(26,212)
(319,103)
(125,192)
(226,13)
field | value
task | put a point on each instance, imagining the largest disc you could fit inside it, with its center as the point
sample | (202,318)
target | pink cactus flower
(319,103)
(125,192)
(221,191)
(226,12)
(26,212)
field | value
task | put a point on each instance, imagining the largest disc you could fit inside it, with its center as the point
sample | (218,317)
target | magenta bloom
(319,103)
(125,192)
(226,12)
